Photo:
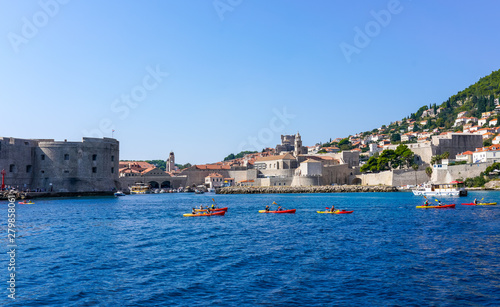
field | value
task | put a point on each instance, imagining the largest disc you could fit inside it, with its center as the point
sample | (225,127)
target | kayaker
(426,203)
(201,207)
(279,208)
(440,203)
(267,208)
(213,206)
(332,209)
(475,201)
(193,211)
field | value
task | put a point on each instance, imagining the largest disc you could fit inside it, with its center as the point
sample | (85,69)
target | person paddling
(332,209)
(267,208)
(426,203)
(193,211)
(213,206)
(279,208)
(475,201)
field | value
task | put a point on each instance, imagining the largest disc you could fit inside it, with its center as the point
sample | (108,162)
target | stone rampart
(313,189)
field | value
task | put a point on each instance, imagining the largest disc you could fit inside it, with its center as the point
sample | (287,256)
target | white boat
(119,193)
(140,188)
(454,188)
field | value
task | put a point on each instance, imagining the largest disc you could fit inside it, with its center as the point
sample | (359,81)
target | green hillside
(476,99)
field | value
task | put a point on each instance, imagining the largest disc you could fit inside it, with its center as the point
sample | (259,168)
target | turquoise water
(140,251)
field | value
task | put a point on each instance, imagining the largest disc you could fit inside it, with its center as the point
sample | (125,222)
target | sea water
(139,250)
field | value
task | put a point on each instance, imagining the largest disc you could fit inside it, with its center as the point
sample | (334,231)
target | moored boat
(281,211)
(119,193)
(140,188)
(454,188)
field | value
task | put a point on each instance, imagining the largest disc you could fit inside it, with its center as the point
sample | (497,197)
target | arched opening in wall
(165,185)
(154,184)
(356,181)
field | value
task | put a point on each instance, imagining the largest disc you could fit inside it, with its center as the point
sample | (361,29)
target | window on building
(94,169)
(28,168)
(112,170)
(66,157)
(42,157)
(112,158)
(12,168)
(94,157)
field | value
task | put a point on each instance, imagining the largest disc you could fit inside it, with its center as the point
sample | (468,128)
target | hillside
(476,100)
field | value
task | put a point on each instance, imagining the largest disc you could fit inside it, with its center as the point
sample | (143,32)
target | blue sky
(207,78)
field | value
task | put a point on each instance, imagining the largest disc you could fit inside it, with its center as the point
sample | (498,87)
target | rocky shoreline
(311,189)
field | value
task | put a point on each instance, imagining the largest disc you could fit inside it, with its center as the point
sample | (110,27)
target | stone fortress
(46,165)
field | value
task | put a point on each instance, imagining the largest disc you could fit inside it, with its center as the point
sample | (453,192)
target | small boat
(480,204)
(119,193)
(216,209)
(454,188)
(198,192)
(140,188)
(26,202)
(206,214)
(337,212)
(436,207)
(281,211)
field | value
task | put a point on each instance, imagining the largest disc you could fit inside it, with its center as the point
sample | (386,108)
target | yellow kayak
(206,214)
(480,204)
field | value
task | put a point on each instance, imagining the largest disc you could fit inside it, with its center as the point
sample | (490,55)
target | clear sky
(208,78)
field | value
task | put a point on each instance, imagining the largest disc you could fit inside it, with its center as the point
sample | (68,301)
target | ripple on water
(140,251)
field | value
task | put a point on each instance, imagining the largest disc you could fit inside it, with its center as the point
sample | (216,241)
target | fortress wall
(454,172)
(338,174)
(74,174)
(19,153)
(304,181)
(409,177)
(383,178)
(457,143)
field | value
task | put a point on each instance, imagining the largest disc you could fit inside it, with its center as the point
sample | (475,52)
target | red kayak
(437,206)
(281,211)
(344,212)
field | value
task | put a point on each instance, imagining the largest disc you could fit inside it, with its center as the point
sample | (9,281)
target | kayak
(480,204)
(206,214)
(282,211)
(437,207)
(336,212)
(26,203)
(216,209)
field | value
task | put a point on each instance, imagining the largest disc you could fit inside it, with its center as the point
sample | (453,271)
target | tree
(396,137)
(428,171)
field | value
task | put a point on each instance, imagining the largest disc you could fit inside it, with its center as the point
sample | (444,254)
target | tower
(298,145)
(170,162)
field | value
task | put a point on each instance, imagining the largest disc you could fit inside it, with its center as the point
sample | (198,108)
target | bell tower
(170,162)
(298,145)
